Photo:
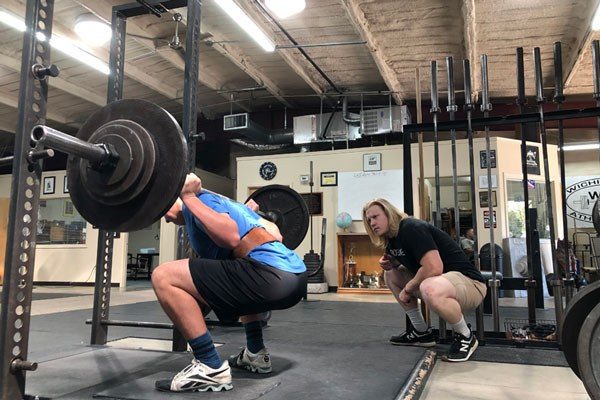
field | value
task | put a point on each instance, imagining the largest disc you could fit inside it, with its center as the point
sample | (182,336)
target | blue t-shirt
(274,254)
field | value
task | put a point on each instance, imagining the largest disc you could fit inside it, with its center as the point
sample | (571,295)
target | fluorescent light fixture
(596,20)
(91,30)
(59,43)
(244,21)
(285,8)
(585,146)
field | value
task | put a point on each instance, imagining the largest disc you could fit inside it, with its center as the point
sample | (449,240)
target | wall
(71,262)
(145,238)
(291,166)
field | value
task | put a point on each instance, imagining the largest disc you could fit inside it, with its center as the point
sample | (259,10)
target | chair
(138,264)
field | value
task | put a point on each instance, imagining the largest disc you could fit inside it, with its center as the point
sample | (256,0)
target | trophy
(350,269)
(374,284)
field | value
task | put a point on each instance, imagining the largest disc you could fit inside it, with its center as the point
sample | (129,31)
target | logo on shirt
(397,252)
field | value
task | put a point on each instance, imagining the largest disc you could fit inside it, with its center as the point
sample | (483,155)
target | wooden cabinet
(358,265)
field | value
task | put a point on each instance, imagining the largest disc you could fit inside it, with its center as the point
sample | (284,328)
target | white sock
(462,328)
(416,318)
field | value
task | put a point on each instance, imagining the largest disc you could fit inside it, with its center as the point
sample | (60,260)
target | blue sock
(204,350)
(254,337)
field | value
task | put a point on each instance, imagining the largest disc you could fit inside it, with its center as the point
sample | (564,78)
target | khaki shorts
(469,292)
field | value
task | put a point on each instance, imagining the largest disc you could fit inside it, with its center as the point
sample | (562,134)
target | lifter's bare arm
(218,226)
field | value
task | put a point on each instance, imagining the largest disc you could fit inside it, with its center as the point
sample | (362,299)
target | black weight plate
(168,174)
(596,216)
(578,309)
(289,208)
(588,353)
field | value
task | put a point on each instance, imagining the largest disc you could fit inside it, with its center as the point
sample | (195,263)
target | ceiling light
(240,17)
(586,146)
(285,8)
(59,43)
(596,19)
(91,30)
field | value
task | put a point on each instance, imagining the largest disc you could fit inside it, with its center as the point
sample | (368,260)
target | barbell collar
(57,140)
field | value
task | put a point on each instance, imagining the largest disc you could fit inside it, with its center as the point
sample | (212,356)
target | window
(516,207)
(60,223)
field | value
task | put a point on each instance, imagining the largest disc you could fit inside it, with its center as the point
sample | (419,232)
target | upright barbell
(128,163)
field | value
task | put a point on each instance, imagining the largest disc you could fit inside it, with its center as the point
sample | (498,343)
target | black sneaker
(413,338)
(461,348)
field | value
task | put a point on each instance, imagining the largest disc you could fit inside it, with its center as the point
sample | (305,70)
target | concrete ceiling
(400,36)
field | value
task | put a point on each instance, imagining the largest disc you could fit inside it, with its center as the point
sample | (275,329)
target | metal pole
(486,107)
(530,282)
(435,110)
(452,108)
(469,107)
(100,313)
(25,191)
(557,281)
(559,98)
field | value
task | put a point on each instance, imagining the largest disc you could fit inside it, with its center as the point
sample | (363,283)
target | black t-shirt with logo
(416,237)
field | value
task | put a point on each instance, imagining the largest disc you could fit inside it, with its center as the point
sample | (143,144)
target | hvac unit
(235,121)
(323,127)
(378,121)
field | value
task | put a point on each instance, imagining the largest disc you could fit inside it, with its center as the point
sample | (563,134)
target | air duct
(241,123)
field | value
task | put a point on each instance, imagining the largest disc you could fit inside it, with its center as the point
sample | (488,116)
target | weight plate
(578,309)
(150,193)
(588,353)
(596,216)
(288,208)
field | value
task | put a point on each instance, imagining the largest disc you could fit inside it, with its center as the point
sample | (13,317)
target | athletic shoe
(413,338)
(259,362)
(198,377)
(461,348)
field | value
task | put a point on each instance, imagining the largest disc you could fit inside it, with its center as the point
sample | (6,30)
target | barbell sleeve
(539,87)
(467,85)
(485,91)
(57,140)
(596,67)
(521,100)
(451,93)
(434,90)
(559,96)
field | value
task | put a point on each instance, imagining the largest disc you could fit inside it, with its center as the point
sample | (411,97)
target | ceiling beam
(18,8)
(470,45)
(362,26)
(584,42)
(235,55)
(9,99)
(58,83)
(292,57)
(143,34)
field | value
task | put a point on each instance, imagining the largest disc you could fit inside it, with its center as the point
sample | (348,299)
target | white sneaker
(259,362)
(198,377)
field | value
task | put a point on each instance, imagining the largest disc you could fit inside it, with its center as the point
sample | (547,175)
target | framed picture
(483,159)
(464,197)
(65,185)
(49,185)
(483,199)
(329,178)
(69,209)
(372,162)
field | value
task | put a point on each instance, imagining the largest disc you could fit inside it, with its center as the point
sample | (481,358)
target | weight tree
(26,173)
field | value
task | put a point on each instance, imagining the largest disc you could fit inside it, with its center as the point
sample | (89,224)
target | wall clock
(268,170)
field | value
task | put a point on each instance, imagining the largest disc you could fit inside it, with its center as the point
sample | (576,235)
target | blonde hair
(394,216)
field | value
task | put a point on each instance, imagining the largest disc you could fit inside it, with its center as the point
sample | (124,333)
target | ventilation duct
(241,123)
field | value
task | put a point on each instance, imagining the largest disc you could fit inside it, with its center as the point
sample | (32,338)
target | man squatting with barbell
(422,261)
(243,270)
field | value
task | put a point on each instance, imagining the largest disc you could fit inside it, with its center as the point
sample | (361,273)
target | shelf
(366,258)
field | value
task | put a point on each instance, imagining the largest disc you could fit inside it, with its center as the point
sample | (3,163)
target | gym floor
(330,347)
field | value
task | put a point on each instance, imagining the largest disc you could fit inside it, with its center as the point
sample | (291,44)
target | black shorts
(244,286)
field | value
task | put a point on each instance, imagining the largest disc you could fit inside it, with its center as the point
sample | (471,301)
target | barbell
(128,163)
